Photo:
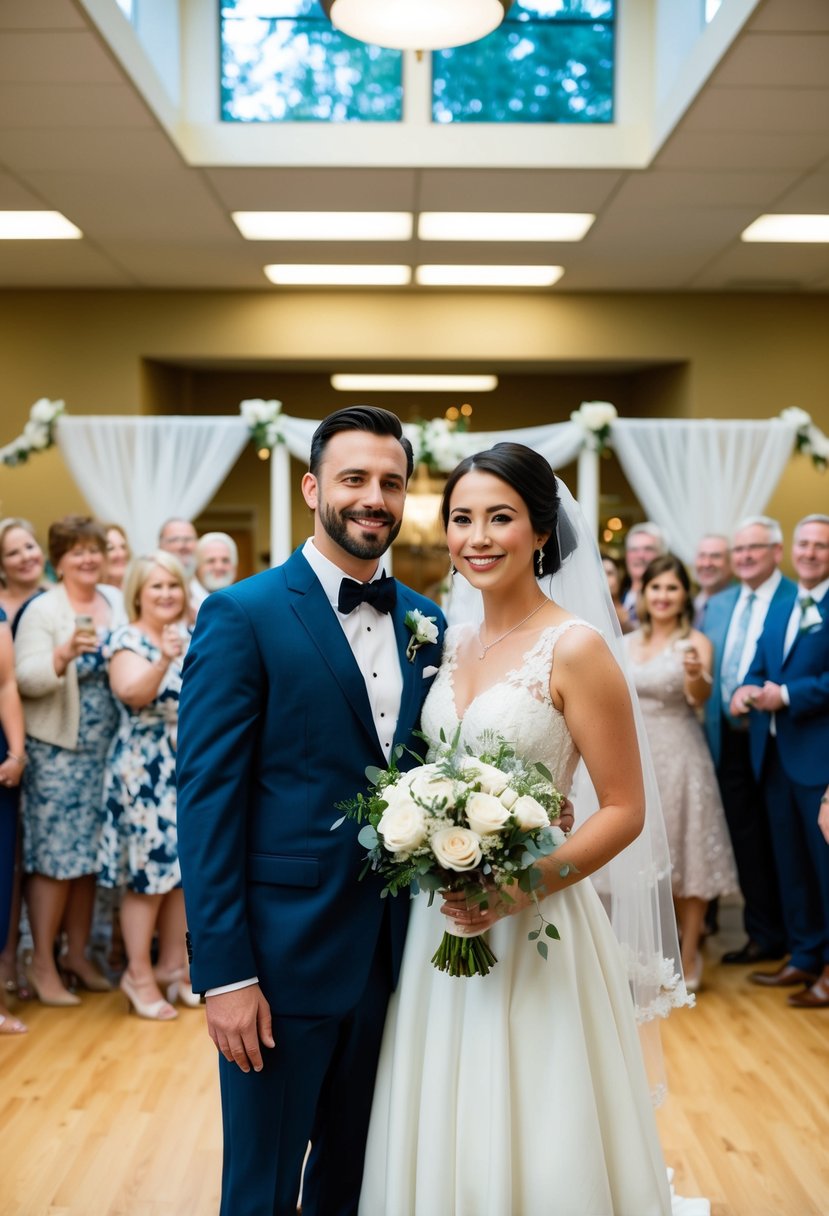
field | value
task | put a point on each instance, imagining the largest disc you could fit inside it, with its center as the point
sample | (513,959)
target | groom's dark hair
(359,418)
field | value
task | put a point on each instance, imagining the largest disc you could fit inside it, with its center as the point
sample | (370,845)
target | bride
(523,1093)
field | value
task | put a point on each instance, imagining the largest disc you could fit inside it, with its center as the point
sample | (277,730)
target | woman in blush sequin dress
(671,664)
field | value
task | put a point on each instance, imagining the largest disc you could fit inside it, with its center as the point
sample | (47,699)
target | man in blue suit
(734,621)
(786,695)
(296,680)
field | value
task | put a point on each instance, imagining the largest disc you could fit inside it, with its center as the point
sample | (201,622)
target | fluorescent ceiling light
(37,226)
(488,276)
(324,225)
(808,229)
(338,275)
(356,382)
(503,225)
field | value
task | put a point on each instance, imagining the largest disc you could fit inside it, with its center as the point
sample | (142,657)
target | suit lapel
(720,631)
(314,613)
(822,609)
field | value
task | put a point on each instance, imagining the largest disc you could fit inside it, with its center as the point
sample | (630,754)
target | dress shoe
(786,976)
(752,952)
(816,997)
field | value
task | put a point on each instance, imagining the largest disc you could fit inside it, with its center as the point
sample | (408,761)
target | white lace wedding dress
(522,1093)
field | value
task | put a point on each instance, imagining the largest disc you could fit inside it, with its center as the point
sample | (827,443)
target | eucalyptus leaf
(541,947)
(373,773)
(534,935)
(368,837)
(338,823)
(553,932)
(545,772)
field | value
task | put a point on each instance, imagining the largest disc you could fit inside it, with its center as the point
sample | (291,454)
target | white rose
(425,628)
(432,787)
(491,779)
(796,416)
(508,797)
(457,848)
(420,771)
(529,813)
(597,414)
(402,825)
(486,814)
(45,410)
(36,435)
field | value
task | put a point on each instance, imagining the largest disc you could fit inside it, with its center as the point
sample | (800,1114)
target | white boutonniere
(811,619)
(423,629)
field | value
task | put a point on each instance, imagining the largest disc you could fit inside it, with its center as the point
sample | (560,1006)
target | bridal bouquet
(471,823)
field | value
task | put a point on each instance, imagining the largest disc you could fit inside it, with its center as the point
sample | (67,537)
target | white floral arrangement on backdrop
(264,422)
(810,439)
(438,443)
(37,435)
(595,418)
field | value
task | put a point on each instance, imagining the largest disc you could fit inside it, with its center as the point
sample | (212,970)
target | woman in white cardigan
(70,720)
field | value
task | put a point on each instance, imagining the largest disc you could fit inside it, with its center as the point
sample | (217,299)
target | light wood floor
(107,1115)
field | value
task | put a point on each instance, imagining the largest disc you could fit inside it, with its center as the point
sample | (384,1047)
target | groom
(297,679)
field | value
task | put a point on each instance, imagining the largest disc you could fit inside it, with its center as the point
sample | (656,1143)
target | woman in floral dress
(139,844)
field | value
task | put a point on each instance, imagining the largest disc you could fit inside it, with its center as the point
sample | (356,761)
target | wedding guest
(643,543)
(179,537)
(671,663)
(21,568)
(712,567)
(118,555)
(786,695)
(734,620)
(12,761)
(217,560)
(139,847)
(614,586)
(823,814)
(70,720)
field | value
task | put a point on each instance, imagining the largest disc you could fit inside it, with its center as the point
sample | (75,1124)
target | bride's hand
(474,917)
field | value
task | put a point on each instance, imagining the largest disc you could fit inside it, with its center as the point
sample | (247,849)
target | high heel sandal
(93,981)
(64,1001)
(179,989)
(11,1025)
(156,1011)
(693,981)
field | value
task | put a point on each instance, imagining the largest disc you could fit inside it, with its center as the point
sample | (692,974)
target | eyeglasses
(751,548)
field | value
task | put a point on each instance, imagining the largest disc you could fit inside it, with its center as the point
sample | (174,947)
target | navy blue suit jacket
(718,613)
(802,727)
(275,729)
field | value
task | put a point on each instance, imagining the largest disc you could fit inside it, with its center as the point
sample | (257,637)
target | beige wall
(652,355)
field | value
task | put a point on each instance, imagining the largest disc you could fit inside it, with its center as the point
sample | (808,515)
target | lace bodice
(518,707)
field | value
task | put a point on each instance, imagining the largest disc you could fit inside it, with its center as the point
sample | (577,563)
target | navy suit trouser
(316,1085)
(744,805)
(802,857)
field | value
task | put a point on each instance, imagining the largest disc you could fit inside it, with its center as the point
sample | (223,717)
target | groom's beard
(366,545)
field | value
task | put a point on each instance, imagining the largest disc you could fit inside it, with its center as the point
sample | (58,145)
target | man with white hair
(734,620)
(217,560)
(643,543)
(178,536)
(786,695)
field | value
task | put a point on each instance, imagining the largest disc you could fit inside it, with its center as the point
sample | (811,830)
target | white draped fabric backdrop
(691,477)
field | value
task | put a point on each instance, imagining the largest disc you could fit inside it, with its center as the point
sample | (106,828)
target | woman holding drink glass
(70,720)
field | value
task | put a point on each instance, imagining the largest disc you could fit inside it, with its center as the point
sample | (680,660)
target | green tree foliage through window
(283,61)
(550,61)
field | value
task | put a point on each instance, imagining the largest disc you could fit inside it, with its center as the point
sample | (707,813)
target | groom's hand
(566,817)
(238,1022)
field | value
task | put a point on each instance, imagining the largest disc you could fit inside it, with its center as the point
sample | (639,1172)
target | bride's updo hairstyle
(529,474)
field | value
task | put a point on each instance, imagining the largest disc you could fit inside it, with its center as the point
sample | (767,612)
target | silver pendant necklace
(486,646)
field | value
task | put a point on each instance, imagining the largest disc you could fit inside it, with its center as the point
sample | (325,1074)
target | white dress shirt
(370,634)
(759,609)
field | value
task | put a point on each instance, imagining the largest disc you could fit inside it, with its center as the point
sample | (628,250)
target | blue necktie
(730,676)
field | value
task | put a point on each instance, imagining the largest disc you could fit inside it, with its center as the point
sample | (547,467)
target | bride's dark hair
(529,474)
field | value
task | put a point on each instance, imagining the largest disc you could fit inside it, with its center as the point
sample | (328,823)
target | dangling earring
(452,570)
(539,562)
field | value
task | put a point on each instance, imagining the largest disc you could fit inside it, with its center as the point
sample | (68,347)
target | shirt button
(382,715)
(368,628)
(374,674)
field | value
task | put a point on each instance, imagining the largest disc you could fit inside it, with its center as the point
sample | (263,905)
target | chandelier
(417,25)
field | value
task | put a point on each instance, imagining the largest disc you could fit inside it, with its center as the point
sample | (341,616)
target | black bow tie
(381,594)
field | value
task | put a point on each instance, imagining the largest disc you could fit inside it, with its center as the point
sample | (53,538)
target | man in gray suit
(734,621)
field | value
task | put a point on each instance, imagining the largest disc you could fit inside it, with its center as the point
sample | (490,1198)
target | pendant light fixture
(417,25)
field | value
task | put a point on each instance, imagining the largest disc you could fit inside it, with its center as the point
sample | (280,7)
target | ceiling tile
(90,150)
(756,109)
(40,14)
(775,60)
(515,189)
(807,16)
(58,264)
(810,195)
(764,266)
(58,106)
(746,150)
(15,197)
(315,189)
(56,58)
(157,263)
(656,188)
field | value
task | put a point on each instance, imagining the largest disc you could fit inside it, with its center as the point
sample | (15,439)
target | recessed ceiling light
(488,276)
(37,226)
(313,274)
(805,229)
(356,382)
(324,225)
(503,225)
